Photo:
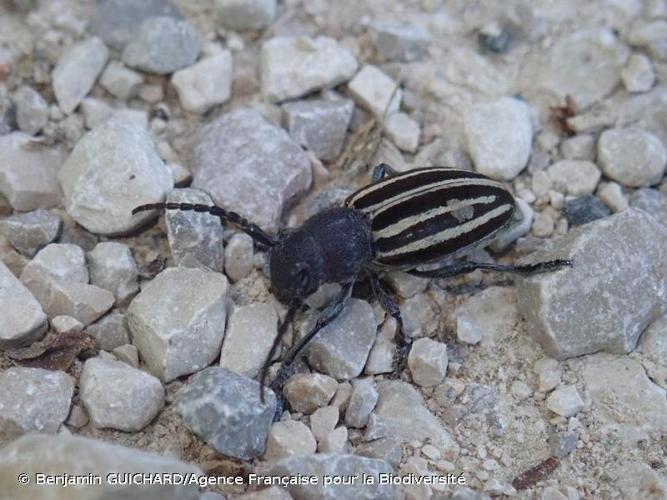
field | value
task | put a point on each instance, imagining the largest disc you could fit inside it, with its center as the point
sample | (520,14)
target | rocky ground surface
(133,343)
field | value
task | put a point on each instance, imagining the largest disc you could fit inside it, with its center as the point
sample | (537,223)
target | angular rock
(95,112)
(287,438)
(363,399)
(241,15)
(63,261)
(565,401)
(404,131)
(66,325)
(548,374)
(79,456)
(115,21)
(127,353)
(388,449)
(111,170)
(250,333)
(615,289)
(334,442)
(110,332)
(239,256)
(341,348)
(638,74)
(640,406)
(376,91)
(563,443)
(223,408)
(632,156)
(162,45)
(639,480)
(397,41)
(651,36)
(486,316)
(323,421)
(653,345)
(295,66)
(320,125)
(566,69)
(22,319)
(113,268)
(499,135)
(579,147)
(205,84)
(611,194)
(331,466)
(29,232)
(121,82)
(76,72)
(195,239)
(651,201)
(402,414)
(177,321)
(28,173)
(584,209)
(32,111)
(81,301)
(428,362)
(33,400)
(117,396)
(250,166)
(306,392)
(575,177)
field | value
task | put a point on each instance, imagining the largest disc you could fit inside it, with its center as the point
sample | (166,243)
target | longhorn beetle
(399,221)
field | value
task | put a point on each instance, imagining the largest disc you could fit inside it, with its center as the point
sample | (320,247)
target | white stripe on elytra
(380,207)
(393,180)
(452,205)
(447,234)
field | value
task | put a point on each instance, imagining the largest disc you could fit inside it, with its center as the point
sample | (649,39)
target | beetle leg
(466,267)
(327,316)
(282,329)
(391,307)
(381,171)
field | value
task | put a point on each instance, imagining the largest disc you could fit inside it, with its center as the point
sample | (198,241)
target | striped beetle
(399,221)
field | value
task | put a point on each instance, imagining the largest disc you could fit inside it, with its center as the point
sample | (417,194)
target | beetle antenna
(274,347)
(253,230)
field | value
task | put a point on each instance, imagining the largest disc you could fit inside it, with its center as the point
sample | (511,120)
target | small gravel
(162,45)
(121,82)
(428,362)
(118,396)
(638,74)
(575,177)
(238,256)
(397,41)
(205,84)
(29,232)
(113,268)
(499,135)
(584,209)
(362,401)
(32,111)
(246,14)
(289,438)
(376,91)
(306,392)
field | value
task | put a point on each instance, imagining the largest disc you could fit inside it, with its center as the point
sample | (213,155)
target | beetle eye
(303,276)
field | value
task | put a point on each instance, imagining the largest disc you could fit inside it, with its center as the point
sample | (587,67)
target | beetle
(399,221)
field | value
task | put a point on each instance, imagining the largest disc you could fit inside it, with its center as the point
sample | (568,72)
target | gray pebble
(76,72)
(579,147)
(177,321)
(195,239)
(287,438)
(63,454)
(205,84)
(23,321)
(565,401)
(362,401)
(306,392)
(111,170)
(376,91)
(28,175)
(113,268)
(332,466)
(162,45)
(632,156)
(651,201)
(117,396)
(566,311)
(341,348)
(323,421)
(241,15)
(399,41)
(295,66)
(111,331)
(115,21)
(320,125)
(253,325)
(223,408)
(499,135)
(428,362)
(584,209)
(66,325)
(575,177)
(29,232)
(239,256)
(32,112)
(121,82)
(127,353)
(250,166)
(563,443)
(33,400)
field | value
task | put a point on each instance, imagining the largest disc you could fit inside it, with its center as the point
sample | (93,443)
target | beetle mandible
(399,221)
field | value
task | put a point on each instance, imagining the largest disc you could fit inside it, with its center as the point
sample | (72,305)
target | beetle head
(296,266)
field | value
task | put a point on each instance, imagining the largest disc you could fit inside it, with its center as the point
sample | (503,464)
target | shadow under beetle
(399,221)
